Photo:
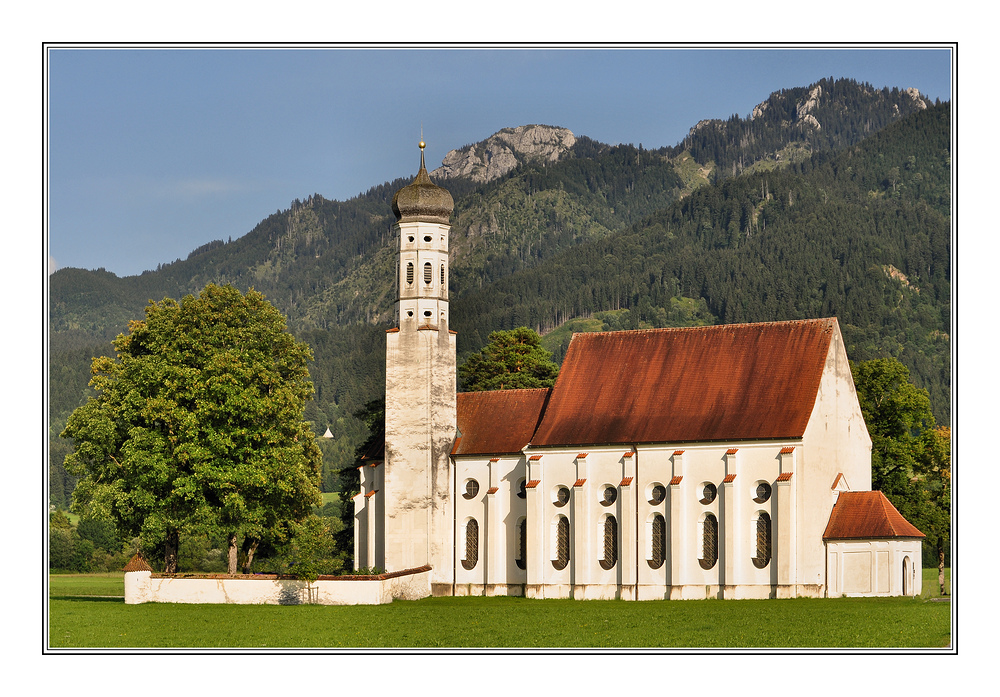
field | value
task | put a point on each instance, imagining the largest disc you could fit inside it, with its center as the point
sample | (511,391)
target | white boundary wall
(146,587)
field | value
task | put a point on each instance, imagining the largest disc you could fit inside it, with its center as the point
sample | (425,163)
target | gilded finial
(422,143)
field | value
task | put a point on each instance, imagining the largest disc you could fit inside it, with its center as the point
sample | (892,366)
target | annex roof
(724,382)
(497,422)
(860,515)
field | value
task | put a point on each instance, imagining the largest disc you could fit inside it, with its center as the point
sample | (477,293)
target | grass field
(80,618)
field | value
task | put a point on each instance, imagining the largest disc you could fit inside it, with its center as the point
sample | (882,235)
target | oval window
(609,496)
(708,493)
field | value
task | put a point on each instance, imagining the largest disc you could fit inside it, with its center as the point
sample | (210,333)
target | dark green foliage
(911,459)
(511,360)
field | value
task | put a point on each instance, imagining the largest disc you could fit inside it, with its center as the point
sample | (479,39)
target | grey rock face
(500,153)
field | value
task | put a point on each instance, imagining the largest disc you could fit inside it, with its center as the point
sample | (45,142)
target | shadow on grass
(90,598)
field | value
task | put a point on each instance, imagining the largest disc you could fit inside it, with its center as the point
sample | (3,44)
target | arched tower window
(610,542)
(562,543)
(763,540)
(471,544)
(709,542)
(657,542)
(409,273)
(427,273)
(442,275)
(521,558)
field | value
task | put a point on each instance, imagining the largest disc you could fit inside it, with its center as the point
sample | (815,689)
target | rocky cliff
(501,152)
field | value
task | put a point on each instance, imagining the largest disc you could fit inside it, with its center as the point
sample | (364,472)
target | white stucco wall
(873,567)
(145,587)
(836,442)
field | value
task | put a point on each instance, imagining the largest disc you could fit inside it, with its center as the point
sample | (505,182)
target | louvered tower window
(409,272)
(471,544)
(763,540)
(709,542)
(610,543)
(562,544)
(427,273)
(658,543)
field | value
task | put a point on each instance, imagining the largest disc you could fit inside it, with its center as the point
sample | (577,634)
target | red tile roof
(726,382)
(137,563)
(579,482)
(732,451)
(866,515)
(785,476)
(497,422)
(729,479)
(787,451)
(676,480)
(533,483)
(678,452)
(493,490)
(627,481)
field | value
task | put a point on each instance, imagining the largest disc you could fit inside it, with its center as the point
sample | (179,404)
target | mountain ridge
(629,236)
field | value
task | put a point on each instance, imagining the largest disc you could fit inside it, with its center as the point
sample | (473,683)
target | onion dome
(422,199)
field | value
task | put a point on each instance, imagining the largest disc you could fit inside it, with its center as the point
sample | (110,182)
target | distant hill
(810,206)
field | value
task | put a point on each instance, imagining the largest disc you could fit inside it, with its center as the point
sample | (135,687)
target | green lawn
(96,622)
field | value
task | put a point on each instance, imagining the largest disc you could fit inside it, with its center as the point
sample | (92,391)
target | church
(725,461)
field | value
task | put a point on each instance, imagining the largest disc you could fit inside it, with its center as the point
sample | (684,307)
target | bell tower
(420,387)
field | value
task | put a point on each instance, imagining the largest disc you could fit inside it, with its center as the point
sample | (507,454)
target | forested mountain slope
(658,237)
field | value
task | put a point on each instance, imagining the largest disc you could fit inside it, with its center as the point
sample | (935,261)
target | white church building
(726,461)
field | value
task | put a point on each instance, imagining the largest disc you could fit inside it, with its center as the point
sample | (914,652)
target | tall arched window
(521,558)
(409,272)
(471,544)
(709,542)
(763,540)
(610,540)
(427,273)
(442,275)
(657,542)
(562,543)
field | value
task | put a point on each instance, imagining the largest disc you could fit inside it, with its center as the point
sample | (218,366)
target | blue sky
(153,152)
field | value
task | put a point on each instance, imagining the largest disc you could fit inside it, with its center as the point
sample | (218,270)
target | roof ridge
(706,327)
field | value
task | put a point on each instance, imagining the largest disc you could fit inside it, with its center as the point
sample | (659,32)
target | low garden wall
(145,586)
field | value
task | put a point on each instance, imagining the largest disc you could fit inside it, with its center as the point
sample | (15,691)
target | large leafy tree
(510,360)
(911,458)
(197,426)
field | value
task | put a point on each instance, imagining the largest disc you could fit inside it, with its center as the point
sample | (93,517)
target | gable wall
(836,441)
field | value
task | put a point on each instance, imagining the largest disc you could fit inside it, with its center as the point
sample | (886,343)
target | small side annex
(871,549)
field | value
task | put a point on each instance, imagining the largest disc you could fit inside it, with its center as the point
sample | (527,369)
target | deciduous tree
(197,425)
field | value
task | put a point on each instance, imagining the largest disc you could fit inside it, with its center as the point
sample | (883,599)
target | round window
(763,492)
(657,494)
(609,496)
(708,493)
(561,497)
(471,489)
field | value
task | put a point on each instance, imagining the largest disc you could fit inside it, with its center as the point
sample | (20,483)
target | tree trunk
(233,554)
(941,570)
(249,546)
(170,555)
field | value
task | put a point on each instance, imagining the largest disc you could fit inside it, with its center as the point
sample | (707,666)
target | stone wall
(269,589)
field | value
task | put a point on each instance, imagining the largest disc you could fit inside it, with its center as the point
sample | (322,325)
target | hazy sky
(153,152)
